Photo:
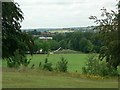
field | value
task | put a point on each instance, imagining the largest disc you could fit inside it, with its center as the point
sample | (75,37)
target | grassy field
(36,78)
(0,63)
(75,61)
(45,79)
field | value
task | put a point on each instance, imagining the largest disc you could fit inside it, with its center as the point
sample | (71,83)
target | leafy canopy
(109,27)
(12,37)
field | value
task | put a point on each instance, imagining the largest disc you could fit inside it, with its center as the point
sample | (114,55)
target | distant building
(46,38)
(36,35)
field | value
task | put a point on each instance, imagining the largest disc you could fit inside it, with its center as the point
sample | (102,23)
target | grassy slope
(33,78)
(44,79)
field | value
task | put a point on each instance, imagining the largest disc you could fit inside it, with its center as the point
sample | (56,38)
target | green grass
(0,62)
(75,61)
(44,79)
(36,78)
(67,51)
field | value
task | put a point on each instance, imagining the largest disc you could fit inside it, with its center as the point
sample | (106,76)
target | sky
(61,13)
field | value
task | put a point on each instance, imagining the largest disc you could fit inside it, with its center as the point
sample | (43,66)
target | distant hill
(83,29)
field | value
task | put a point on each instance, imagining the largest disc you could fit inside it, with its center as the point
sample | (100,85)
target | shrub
(17,60)
(62,65)
(32,67)
(40,65)
(97,67)
(47,65)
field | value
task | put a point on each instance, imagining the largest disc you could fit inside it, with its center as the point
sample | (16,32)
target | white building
(46,38)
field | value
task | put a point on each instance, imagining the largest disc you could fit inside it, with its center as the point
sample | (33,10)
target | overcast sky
(61,13)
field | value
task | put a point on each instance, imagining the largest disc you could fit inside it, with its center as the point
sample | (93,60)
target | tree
(85,45)
(95,67)
(12,37)
(53,44)
(63,44)
(74,40)
(37,44)
(97,42)
(109,28)
(45,46)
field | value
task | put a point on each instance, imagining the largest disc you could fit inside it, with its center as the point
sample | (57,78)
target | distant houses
(46,38)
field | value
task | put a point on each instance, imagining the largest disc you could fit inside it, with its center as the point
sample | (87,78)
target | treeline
(85,42)
(46,46)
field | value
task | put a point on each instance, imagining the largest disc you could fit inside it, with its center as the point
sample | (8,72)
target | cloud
(50,2)
(61,13)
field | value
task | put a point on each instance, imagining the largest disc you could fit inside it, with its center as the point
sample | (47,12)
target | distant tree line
(80,41)
(46,46)
(85,42)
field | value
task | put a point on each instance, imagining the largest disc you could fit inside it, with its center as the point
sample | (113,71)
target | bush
(40,64)
(62,65)
(47,65)
(97,67)
(17,60)
(32,67)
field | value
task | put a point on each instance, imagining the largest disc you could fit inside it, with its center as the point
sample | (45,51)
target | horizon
(57,27)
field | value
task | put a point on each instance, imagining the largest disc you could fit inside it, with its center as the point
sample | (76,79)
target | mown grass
(0,63)
(36,78)
(44,79)
(75,61)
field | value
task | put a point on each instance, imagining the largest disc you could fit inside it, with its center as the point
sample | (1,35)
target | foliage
(53,45)
(46,46)
(32,66)
(62,65)
(85,45)
(63,44)
(97,42)
(47,65)
(109,29)
(40,64)
(96,67)
(80,41)
(37,45)
(17,60)
(13,40)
